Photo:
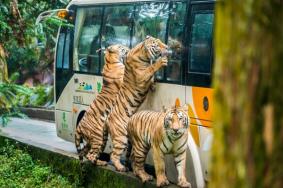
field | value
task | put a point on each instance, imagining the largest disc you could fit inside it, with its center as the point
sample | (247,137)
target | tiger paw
(145,177)
(91,158)
(101,163)
(162,181)
(122,169)
(119,167)
(163,61)
(184,183)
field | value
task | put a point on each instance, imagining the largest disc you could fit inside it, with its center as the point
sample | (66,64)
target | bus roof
(88,2)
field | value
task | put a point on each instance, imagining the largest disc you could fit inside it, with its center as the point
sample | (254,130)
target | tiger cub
(92,127)
(139,72)
(163,132)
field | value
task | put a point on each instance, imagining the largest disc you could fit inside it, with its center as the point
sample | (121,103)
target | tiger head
(176,122)
(117,51)
(155,48)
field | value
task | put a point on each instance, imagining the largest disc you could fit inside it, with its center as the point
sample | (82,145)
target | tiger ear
(147,36)
(177,103)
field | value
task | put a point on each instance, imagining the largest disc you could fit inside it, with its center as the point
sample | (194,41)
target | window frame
(60,56)
(184,60)
(66,31)
(63,75)
(103,30)
(194,78)
(75,8)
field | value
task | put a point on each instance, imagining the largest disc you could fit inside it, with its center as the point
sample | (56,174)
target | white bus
(187,24)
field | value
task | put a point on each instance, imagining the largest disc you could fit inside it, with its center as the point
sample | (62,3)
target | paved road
(38,133)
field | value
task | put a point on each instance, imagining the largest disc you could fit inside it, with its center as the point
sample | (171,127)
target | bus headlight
(62,14)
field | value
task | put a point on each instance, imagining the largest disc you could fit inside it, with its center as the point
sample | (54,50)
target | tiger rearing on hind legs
(139,72)
(92,127)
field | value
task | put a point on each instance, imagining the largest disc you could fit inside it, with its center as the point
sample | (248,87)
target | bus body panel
(79,92)
(82,97)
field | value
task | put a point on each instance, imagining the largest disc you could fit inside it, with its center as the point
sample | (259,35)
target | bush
(9,103)
(18,169)
(13,96)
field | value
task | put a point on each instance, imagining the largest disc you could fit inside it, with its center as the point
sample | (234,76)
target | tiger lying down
(92,128)
(163,132)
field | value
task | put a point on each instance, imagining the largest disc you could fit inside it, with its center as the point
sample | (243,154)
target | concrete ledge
(39,113)
(85,175)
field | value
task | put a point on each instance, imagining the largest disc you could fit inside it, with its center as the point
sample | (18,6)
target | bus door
(63,65)
(199,74)
(63,74)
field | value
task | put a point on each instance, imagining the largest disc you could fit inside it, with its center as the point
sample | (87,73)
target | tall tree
(16,20)
(248,82)
(18,35)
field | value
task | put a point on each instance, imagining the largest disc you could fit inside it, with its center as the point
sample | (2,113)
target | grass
(18,169)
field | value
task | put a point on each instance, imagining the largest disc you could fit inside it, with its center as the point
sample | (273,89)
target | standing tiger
(163,132)
(139,72)
(92,127)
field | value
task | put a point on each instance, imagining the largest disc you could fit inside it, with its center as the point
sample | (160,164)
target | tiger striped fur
(137,80)
(163,132)
(92,127)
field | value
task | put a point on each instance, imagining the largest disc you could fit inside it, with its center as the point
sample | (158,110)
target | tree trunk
(19,33)
(3,65)
(248,82)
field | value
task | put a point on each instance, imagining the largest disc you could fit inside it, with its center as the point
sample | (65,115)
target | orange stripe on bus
(199,95)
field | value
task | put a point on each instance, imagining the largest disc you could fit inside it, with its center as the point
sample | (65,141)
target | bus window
(87,39)
(60,48)
(117,26)
(150,19)
(66,51)
(201,42)
(175,41)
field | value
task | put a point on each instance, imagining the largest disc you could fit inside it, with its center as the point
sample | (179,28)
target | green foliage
(12,96)
(19,36)
(9,103)
(18,169)
(42,96)
(8,94)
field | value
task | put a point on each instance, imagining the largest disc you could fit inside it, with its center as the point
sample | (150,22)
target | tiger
(164,132)
(91,128)
(139,72)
